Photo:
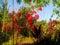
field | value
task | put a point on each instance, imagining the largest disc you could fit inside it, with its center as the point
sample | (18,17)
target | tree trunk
(0,43)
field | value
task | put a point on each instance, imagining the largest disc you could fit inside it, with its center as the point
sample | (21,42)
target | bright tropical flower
(37,16)
(30,18)
(40,9)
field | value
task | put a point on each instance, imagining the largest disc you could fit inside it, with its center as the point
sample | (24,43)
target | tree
(38,3)
(56,10)
(4,14)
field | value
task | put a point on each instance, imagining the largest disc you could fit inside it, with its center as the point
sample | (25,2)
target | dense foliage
(24,22)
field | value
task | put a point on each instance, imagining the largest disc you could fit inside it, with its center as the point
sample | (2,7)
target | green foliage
(38,3)
(1,15)
(43,27)
(41,2)
(56,11)
(25,32)
(38,23)
(27,1)
(56,2)
(57,7)
(56,35)
(4,37)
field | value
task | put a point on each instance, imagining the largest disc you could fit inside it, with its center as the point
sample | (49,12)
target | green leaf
(58,3)
(27,1)
(55,11)
(59,15)
(56,35)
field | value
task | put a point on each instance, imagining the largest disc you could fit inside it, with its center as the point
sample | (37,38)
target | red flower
(40,9)
(30,22)
(20,30)
(37,16)
(15,27)
(32,27)
(30,18)
(14,19)
(18,16)
(27,15)
(9,28)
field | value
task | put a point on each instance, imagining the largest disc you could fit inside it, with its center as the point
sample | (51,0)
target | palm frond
(18,1)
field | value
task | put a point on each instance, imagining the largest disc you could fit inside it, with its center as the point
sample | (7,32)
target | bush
(4,37)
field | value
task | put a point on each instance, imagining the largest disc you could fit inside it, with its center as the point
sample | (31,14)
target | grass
(19,40)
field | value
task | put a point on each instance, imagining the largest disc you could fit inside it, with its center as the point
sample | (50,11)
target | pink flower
(34,12)
(37,16)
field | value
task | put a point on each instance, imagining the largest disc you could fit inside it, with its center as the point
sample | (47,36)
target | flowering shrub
(21,21)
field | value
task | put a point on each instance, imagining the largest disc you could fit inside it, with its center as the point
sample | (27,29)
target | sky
(45,14)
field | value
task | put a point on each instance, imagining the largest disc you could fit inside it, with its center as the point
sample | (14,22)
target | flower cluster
(23,18)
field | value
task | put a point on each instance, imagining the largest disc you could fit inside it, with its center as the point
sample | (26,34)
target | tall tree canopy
(38,3)
(56,10)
